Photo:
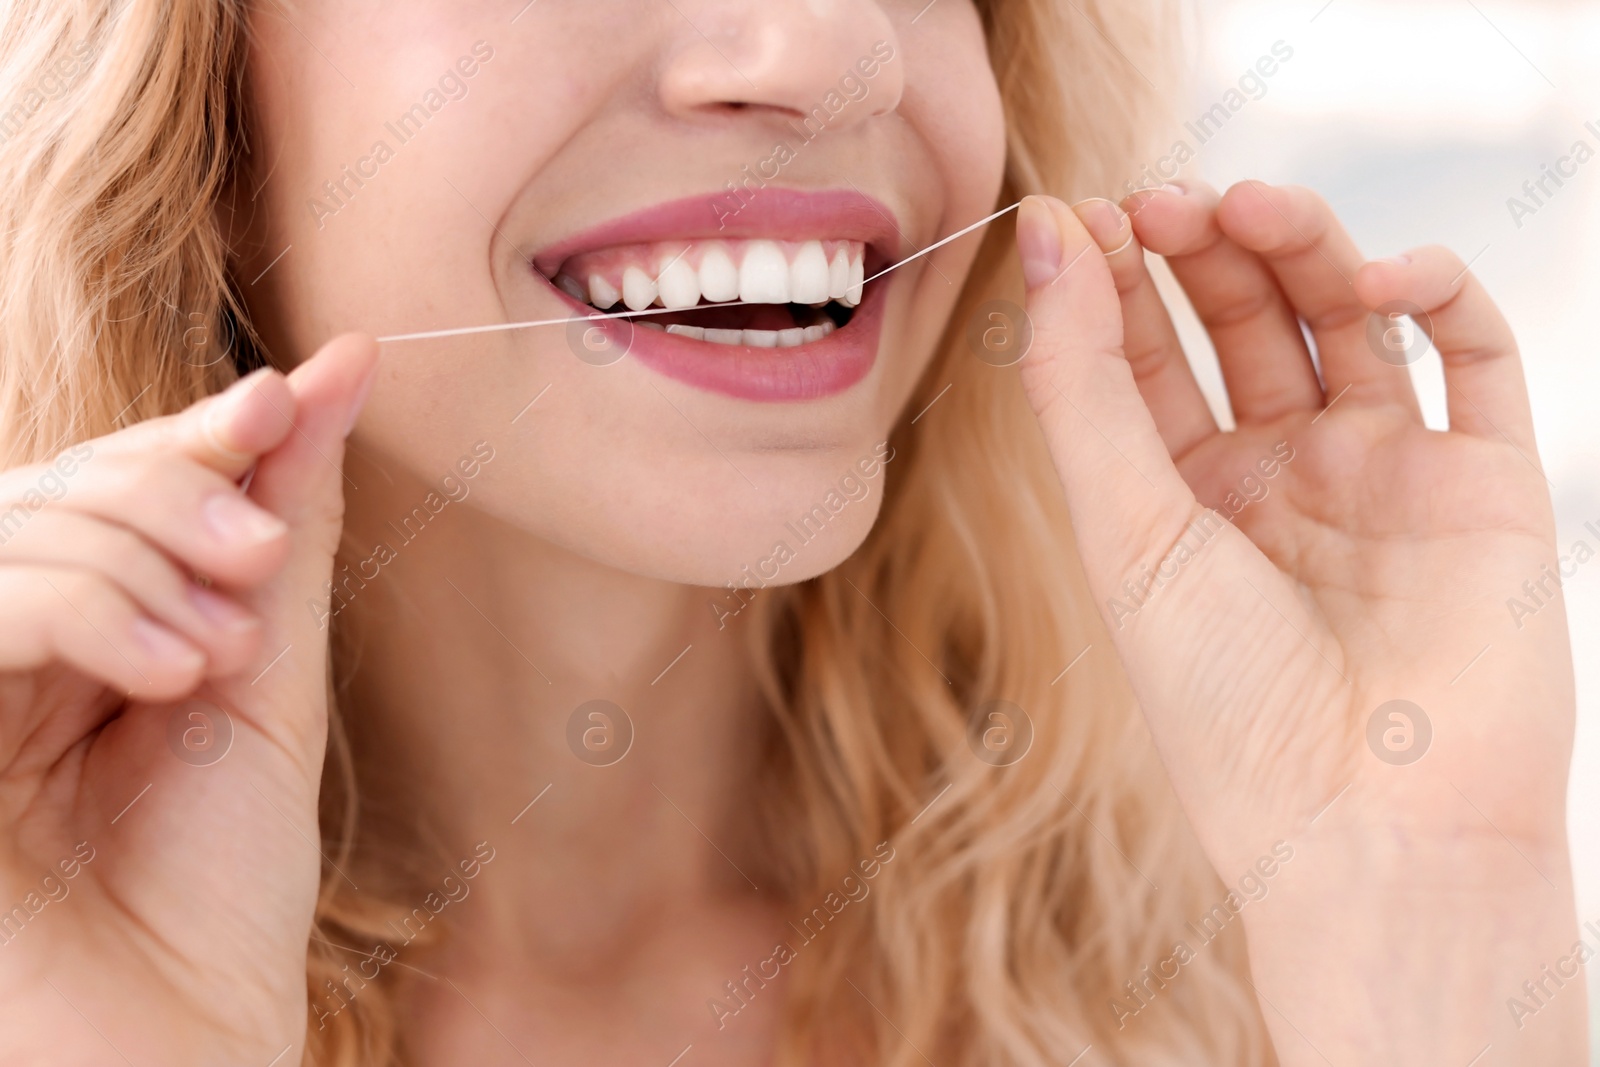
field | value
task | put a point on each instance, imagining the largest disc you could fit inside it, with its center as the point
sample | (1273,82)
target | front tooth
(725,337)
(839,275)
(651,326)
(808,274)
(679,285)
(638,289)
(719,278)
(793,337)
(764,276)
(601,293)
(698,333)
(816,333)
(761,338)
(858,273)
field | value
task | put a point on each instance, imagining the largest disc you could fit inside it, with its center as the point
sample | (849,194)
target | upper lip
(774,213)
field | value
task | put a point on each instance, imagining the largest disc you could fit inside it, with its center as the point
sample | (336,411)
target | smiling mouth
(791,293)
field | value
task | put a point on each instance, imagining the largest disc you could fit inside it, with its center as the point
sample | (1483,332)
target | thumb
(302,481)
(1127,500)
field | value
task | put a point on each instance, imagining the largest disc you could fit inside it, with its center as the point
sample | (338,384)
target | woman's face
(432,164)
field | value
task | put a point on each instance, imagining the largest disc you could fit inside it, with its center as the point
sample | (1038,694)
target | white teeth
(601,294)
(679,284)
(719,278)
(764,276)
(808,275)
(839,274)
(638,289)
(793,337)
(651,325)
(858,272)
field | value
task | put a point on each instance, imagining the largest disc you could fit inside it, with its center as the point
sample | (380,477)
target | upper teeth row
(765,276)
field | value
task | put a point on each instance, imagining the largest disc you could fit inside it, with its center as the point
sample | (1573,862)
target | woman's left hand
(1350,558)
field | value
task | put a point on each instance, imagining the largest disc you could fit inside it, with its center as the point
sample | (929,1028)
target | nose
(826,63)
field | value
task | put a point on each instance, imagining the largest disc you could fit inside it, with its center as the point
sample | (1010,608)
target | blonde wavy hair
(1023,903)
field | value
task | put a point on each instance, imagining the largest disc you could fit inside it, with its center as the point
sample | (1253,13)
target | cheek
(953,96)
(345,220)
(953,102)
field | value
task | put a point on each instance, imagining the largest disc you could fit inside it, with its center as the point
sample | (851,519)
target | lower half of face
(738,172)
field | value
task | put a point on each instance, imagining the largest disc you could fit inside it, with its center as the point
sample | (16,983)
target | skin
(1379,560)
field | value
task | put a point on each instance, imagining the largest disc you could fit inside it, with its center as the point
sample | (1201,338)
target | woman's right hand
(155,899)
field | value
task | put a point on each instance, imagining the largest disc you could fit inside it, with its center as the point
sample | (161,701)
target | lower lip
(808,372)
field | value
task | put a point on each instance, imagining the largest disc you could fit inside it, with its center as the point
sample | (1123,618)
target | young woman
(862,672)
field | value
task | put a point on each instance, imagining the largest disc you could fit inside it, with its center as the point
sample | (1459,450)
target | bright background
(1418,120)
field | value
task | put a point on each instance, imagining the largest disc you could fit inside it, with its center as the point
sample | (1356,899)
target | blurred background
(1419,120)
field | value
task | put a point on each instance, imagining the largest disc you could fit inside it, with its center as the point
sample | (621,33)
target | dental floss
(501,326)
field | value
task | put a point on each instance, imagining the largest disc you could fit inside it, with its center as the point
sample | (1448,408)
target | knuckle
(1471,355)
(86,592)
(1148,360)
(26,625)
(123,552)
(1239,307)
(22,591)
(1344,315)
(1128,271)
(17,482)
(179,432)
(150,477)
(128,477)
(73,605)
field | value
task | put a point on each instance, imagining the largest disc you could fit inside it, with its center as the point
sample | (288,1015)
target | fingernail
(1038,242)
(1105,222)
(361,400)
(163,644)
(237,521)
(1175,189)
(1399,261)
(220,611)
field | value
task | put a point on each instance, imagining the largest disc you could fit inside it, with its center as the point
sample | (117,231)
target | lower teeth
(791,338)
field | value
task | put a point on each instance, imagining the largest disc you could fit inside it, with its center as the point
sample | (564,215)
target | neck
(474,717)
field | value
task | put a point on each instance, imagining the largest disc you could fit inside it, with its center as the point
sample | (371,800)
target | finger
(1488,396)
(1135,520)
(303,482)
(209,619)
(1263,355)
(227,432)
(77,617)
(1315,261)
(1150,343)
(193,513)
(1126,498)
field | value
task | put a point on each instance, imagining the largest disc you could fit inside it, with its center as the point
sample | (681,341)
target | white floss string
(501,326)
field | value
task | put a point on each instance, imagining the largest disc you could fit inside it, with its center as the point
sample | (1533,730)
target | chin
(812,511)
